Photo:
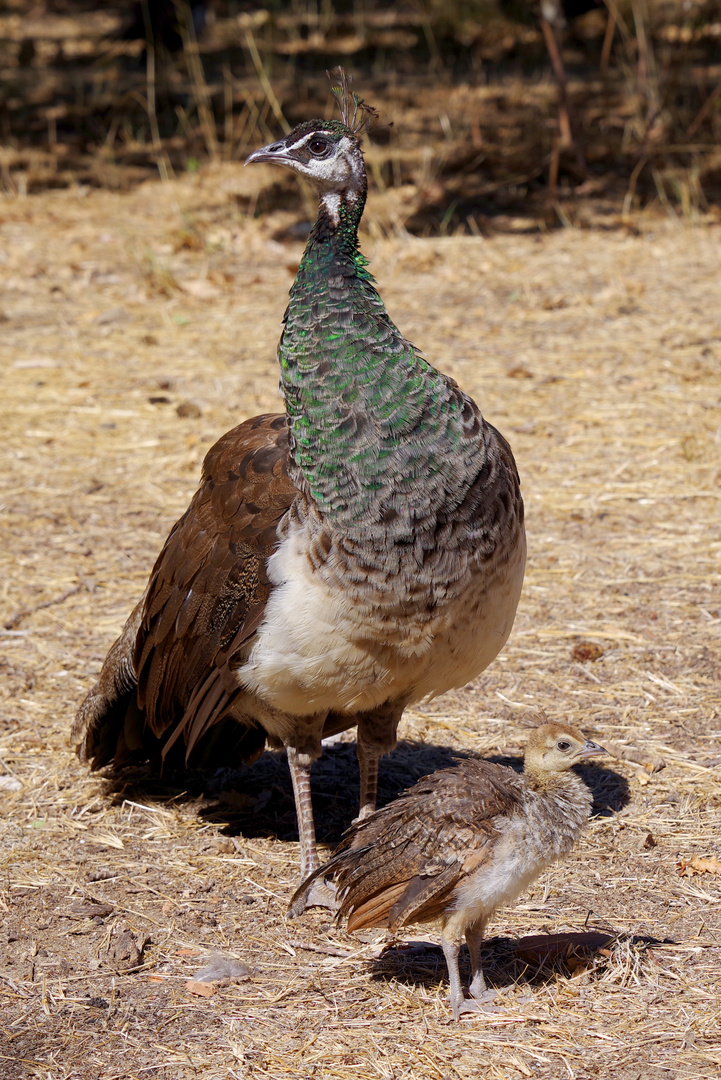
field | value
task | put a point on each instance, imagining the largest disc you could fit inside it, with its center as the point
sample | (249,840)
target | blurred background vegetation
(601,109)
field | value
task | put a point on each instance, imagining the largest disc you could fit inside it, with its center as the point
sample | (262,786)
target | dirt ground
(135,329)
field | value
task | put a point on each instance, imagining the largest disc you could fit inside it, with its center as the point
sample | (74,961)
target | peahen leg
(376,737)
(300,775)
(368,768)
(320,894)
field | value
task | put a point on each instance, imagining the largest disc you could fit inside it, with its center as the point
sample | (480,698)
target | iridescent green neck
(369,417)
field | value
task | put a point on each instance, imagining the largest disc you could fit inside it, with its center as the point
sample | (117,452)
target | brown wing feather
(403,863)
(375,910)
(205,598)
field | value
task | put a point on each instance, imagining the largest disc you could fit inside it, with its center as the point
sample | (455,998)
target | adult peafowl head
(327,152)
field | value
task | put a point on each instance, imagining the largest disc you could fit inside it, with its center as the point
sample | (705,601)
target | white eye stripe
(304,140)
(299,143)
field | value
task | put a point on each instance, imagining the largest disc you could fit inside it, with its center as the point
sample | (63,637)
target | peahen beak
(275,152)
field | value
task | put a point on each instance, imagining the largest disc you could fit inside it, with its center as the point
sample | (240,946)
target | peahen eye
(318,147)
(563,744)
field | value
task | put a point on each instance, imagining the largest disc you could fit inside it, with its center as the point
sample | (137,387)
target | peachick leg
(450,951)
(474,938)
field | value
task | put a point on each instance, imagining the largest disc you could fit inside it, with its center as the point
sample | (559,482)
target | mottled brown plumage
(460,843)
(171,670)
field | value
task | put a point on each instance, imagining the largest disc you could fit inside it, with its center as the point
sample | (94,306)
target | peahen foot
(321,893)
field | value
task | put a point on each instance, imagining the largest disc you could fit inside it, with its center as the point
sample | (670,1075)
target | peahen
(354,554)
(459,844)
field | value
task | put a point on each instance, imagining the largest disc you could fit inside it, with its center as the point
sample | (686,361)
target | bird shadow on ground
(257,800)
(533,960)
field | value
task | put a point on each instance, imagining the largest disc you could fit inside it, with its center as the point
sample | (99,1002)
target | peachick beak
(590,748)
(274,152)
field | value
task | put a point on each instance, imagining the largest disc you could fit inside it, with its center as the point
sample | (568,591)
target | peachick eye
(563,745)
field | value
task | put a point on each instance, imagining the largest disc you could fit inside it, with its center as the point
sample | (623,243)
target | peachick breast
(547,828)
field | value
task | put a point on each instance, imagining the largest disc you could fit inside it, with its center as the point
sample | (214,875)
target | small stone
(188,410)
(112,315)
(584,651)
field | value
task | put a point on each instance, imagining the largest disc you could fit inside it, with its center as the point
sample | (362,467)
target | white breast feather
(518,858)
(320,650)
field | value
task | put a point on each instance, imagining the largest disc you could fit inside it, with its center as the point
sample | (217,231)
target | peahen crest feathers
(355,113)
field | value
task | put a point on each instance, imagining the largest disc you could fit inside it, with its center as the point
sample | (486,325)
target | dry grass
(469,85)
(135,330)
